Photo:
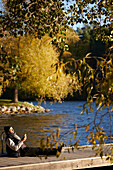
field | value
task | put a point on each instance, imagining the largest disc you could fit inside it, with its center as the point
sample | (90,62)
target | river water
(63,115)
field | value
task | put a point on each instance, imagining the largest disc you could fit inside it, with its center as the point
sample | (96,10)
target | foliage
(36,72)
(32,17)
(96,13)
(23,18)
(10,66)
(98,83)
(87,43)
(41,76)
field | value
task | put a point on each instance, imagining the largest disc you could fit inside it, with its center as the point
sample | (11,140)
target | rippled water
(64,116)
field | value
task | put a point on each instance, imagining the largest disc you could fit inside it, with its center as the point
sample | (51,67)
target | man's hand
(24,138)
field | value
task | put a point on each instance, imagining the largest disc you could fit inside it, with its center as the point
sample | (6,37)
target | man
(15,146)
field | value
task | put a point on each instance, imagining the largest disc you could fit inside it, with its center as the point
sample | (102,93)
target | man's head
(8,129)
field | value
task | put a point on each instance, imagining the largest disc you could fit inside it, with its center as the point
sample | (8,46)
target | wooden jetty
(69,159)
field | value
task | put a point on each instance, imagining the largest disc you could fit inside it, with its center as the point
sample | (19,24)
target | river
(63,115)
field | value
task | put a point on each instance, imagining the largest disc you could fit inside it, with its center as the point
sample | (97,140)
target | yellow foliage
(38,57)
(39,72)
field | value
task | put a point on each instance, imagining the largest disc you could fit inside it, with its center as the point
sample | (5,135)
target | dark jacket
(14,145)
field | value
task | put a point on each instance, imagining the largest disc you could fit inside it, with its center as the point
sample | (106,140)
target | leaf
(88,55)
(48,142)
(75,65)
(87,128)
(57,154)
(100,104)
(51,146)
(108,158)
(61,69)
(53,138)
(57,145)
(58,133)
(75,134)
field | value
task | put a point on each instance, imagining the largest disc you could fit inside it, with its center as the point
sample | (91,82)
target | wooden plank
(64,165)
(77,159)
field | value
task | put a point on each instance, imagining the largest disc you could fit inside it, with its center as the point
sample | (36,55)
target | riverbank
(8,107)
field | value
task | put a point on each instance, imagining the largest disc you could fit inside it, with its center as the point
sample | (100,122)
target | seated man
(15,146)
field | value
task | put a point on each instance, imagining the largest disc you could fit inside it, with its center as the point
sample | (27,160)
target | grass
(5,102)
(8,102)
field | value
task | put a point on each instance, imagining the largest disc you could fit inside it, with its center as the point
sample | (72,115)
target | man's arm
(16,136)
(12,145)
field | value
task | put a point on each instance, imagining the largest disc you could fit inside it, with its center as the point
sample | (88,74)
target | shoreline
(20,108)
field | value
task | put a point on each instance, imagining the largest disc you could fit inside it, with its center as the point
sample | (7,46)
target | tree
(30,17)
(36,72)
(10,65)
(98,80)
(40,17)
(40,76)
(96,13)
(9,55)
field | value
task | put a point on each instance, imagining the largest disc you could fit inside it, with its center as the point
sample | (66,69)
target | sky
(0,5)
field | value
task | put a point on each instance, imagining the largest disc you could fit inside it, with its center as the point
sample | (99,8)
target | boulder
(8,110)
(28,109)
(4,108)
(12,108)
(47,110)
(41,109)
(0,108)
(22,108)
(18,107)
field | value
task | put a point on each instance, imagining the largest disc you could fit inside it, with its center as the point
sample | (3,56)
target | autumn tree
(35,18)
(37,70)
(39,73)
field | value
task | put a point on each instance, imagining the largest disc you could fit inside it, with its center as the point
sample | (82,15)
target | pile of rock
(22,109)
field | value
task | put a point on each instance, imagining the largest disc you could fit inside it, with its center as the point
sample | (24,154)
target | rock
(34,109)
(31,104)
(4,108)
(22,108)
(12,108)
(18,107)
(28,109)
(8,110)
(47,110)
(41,109)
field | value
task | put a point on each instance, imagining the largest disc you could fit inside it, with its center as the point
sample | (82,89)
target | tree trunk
(15,94)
